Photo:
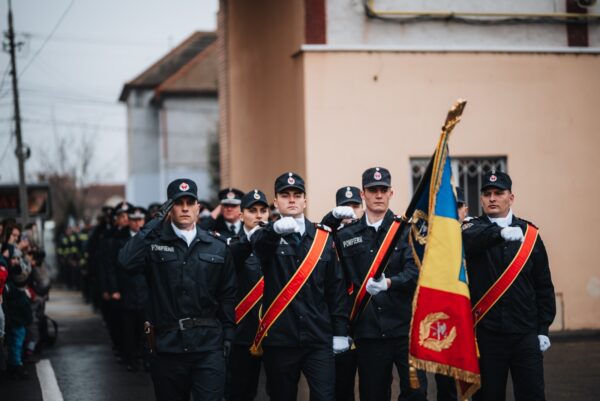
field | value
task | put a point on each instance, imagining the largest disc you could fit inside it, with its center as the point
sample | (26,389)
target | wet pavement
(86,369)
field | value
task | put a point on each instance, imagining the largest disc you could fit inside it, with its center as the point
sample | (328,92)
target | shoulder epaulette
(218,236)
(323,227)
(528,222)
(398,217)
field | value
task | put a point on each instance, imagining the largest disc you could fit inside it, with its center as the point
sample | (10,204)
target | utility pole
(20,151)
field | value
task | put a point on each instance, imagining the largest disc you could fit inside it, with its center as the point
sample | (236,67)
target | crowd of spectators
(24,288)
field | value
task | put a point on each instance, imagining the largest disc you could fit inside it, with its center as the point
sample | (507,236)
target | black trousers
(376,359)
(114,322)
(345,374)
(518,354)
(283,366)
(133,329)
(176,376)
(243,373)
(446,388)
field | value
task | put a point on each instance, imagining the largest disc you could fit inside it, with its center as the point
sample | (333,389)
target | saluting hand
(343,212)
(164,210)
(512,234)
(286,225)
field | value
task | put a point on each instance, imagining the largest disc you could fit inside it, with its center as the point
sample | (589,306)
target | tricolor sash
(248,302)
(290,290)
(388,242)
(495,292)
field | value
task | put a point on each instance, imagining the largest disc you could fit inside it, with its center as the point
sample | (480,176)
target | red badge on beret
(493,178)
(184,186)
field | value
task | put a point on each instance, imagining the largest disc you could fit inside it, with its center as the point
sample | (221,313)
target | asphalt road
(86,370)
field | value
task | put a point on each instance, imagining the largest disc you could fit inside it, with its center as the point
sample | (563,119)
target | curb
(575,335)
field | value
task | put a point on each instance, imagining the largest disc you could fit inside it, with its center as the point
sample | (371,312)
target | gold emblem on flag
(419,226)
(434,334)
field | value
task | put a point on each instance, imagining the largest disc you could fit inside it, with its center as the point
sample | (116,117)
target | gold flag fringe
(474,379)
(414,379)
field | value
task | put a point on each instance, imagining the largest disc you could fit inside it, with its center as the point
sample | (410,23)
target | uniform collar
(187,235)
(310,229)
(503,221)
(168,234)
(382,224)
(301,221)
(237,225)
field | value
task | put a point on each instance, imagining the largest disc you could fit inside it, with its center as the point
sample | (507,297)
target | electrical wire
(4,75)
(88,126)
(56,26)
(10,140)
(95,41)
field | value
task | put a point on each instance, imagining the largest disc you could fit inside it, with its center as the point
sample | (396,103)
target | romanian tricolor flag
(442,337)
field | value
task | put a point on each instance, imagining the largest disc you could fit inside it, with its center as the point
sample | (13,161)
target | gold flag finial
(453,116)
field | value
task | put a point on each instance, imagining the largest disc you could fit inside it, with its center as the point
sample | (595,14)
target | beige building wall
(264,92)
(380,108)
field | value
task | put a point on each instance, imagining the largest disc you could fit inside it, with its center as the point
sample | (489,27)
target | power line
(60,20)
(100,127)
(97,41)
(6,148)
(4,75)
(63,95)
(79,102)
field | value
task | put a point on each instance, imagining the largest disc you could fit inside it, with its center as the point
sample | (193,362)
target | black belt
(189,323)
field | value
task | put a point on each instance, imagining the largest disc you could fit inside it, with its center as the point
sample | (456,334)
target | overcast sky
(69,87)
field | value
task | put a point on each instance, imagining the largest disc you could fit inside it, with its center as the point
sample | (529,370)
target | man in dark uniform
(513,334)
(225,219)
(381,330)
(349,207)
(347,202)
(97,236)
(134,294)
(115,239)
(191,280)
(315,321)
(245,368)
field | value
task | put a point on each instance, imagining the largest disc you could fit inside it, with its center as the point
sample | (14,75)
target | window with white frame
(468,173)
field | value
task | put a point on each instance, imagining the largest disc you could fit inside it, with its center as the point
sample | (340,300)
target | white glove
(340,344)
(374,287)
(286,225)
(512,234)
(544,342)
(343,212)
